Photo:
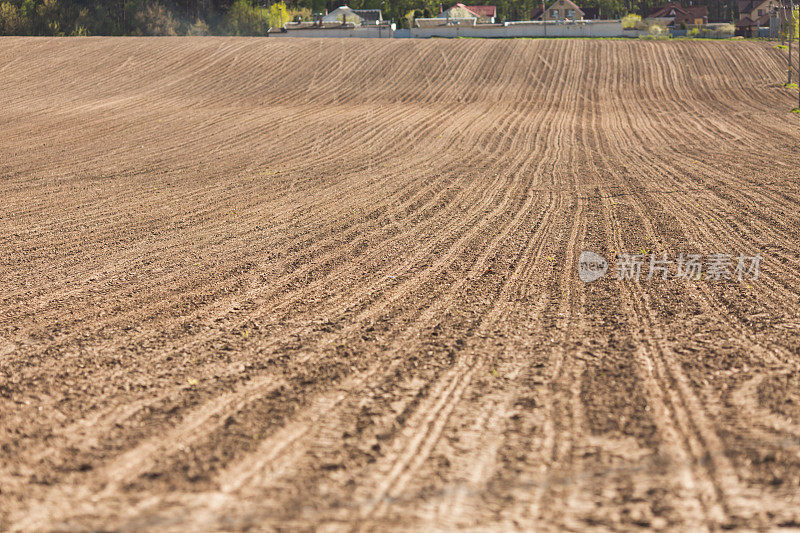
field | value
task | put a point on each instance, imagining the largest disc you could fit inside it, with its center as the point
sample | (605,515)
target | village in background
(561,18)
(401,18)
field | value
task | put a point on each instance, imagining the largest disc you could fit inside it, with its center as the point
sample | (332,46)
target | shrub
(692,33)
(726,30)
(81,23)
(631,22)
(49,19)
(656,31)
(245,19)
(198,28)
(300,14)
(154,19)
(11,20)
(407,21)
(719,31)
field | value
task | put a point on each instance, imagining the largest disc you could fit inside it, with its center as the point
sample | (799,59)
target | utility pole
(793,23)
(790,20)
(544,19)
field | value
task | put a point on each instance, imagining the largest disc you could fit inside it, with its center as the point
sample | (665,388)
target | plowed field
(262,283)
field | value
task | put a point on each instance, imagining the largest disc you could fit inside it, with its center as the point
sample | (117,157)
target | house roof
(341,13)
(674,9)
(757,21)
(748,12)
(668,10)
(536,13)
(370,15)
(692,14)
(483,11)
(680,14)
(747,7)
(460,6)
(571,4)
(307,25)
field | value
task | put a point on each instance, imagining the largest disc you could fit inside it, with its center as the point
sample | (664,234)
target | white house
(357,17)
(343,14)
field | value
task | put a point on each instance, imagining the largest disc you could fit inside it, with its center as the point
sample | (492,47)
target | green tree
(299,14)
(48,18)
(155,19)
(278,15)
(198,27)
(11,20)
(244,19)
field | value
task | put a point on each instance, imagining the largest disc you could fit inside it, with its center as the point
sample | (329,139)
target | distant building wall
(605,28)
(367,32)
(587,28)
(661,21)
(438,22)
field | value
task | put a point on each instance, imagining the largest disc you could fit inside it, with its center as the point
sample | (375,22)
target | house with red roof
(559,10)
(483,14)
(486,14)
(673,14)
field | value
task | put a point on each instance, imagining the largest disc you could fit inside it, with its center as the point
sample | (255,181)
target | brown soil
(262,283)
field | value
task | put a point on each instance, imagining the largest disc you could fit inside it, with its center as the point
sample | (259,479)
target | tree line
(253,17)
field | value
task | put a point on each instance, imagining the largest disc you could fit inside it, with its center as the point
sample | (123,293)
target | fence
(583,28)
(374,32)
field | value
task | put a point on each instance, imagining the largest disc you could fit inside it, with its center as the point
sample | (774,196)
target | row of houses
(529,29)
(461,14)
(457,15)
(756,17)
(672,14)
(753,14)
